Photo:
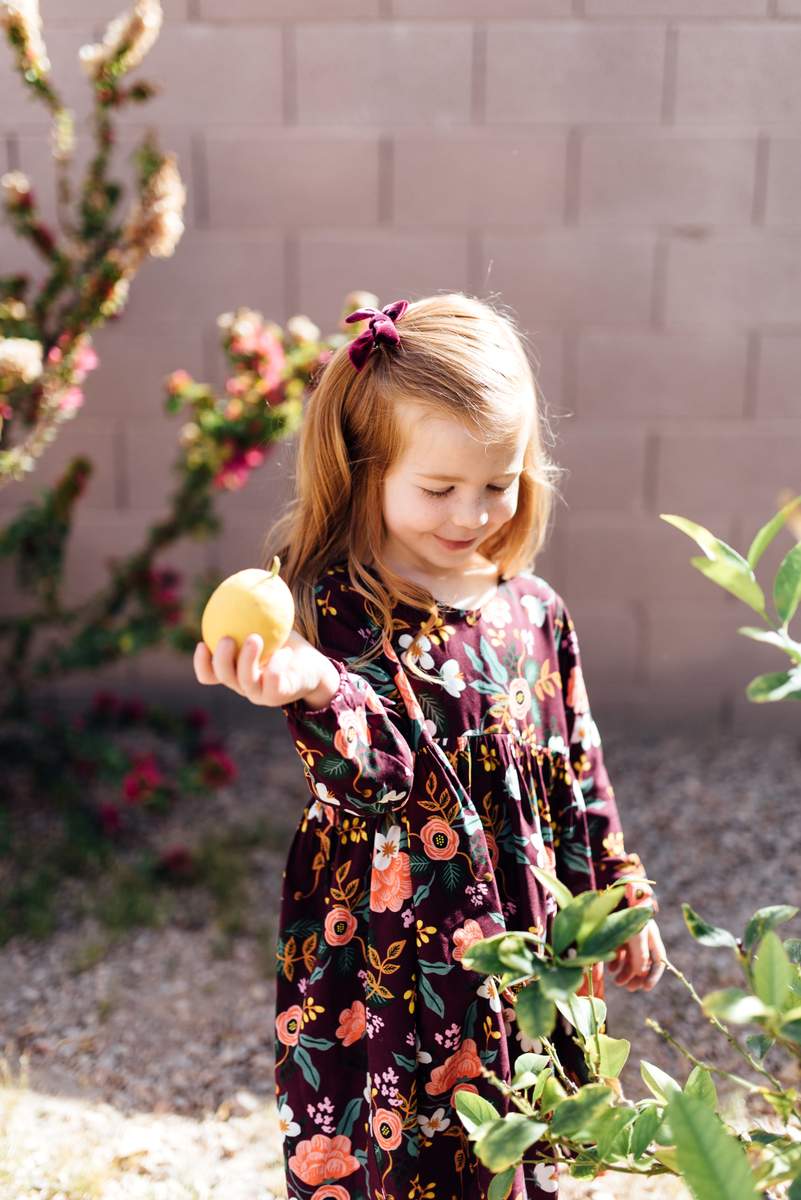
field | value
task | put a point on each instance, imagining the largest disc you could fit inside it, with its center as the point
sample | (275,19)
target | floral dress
(430,802)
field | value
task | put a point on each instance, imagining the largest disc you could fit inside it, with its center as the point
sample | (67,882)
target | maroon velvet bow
(381,329)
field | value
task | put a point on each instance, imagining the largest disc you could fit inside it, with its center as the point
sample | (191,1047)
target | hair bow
(381,329)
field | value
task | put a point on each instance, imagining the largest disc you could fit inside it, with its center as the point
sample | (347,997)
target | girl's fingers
(247,667)
(204,672)
(223,660)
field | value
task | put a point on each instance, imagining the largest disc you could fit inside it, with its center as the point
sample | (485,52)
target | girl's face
(448,492)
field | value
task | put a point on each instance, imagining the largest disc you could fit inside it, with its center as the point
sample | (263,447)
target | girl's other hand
(296,671)
(640,962)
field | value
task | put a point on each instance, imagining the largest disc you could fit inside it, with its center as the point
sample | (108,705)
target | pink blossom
(71,400)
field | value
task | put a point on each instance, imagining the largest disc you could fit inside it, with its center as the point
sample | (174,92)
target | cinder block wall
(626,174)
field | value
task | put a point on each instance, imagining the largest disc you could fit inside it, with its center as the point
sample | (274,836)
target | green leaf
(787,585)
(768,532)
(700,1083)
(552,1094)
(474,1110)
(501,1185)
(733,1004)
(516,952)
(734,578)
(579,918)
(483,956)
(772,971)
(574,1117)
(662,1085)
(506,1141)
(759,1044)
(614,931)
(703,932)
(608,1129)
(794,1192)
(712,1161)
(776,685)
(614,1053)
(578,1010)
(772,637)
(793,948)
(562,895)
(647,1122)
(765,919)
(536,1014)
(528,1068)
(559,983)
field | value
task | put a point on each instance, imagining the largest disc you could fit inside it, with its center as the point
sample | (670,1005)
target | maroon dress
(430,801)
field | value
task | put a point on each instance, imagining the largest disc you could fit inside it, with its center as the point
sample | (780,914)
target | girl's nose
(470,515)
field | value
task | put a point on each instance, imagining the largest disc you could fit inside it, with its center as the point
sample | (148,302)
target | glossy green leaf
(733,1004)
(608,1129)
(614,1053)
(614,931)
(647,1122)
(562,895)
(658,1081)
(700,1083)
(793,948)
(776,685)
(765,919)
(703,932)
(501,1185)
(758,1044)
(768,532)
(772,971)
(536,1014)
(559,983)
(734,578)
(552,1094)
(578,1010)
(773,637)
(515,952)
(483,956)
(474,1110)
(787,585)
(712,1161)
(574,1117)
(505,1142)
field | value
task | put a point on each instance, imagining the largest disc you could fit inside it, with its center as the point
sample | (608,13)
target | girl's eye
(492,487)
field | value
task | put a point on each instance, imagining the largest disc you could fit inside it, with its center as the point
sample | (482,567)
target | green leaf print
(432,709)
(315,1043)
(430,996)
(452,874)
(349,1116)
(344,960)
(475,662)
(310,1072)
(435,968)
(499,674)
(405,1064)
(422,892)
(334,766)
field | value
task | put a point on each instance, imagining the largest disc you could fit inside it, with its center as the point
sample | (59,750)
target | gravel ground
(153,1052)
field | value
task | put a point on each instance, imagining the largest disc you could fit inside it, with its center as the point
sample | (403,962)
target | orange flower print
(287,1025)
(352,1023)
(331,1191)
(519,698)
(391,878)
(439,839)
(463,938)
(353,732)
(464,1061)
(462,1087)
(387,1128)
(576,696)
(321,1158)
(340,925)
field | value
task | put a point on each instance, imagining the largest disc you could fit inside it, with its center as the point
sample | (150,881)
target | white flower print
(527,638)
(578,796)
(421,1055)
(556,744)
(519,696)
(287,1126)
(490,991)
(368,1088)
(497,613)
(386,847)
(536,840)
(512,781)
(416,650)
(433,1124)
(546,1176)
(535,608)
(586,731)
(453,679)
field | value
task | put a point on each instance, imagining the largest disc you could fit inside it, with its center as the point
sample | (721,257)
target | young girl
(434,692)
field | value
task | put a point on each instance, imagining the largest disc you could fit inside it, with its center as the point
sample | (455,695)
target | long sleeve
(358,750)
(592,790)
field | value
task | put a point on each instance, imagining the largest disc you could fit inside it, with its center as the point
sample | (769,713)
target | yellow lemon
(250,601)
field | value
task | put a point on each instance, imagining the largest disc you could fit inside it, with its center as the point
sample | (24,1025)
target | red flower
(216,768)
(177,861)
(142,780)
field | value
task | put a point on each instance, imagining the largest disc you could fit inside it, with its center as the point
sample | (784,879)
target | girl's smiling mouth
(452,545)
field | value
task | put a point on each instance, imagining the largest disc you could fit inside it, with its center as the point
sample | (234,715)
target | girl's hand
(296,671)
(639,962)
